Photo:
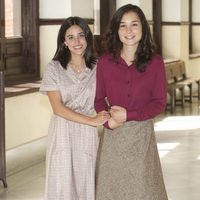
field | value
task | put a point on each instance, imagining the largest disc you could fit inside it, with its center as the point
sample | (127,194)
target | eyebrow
(129,21)
(75,35)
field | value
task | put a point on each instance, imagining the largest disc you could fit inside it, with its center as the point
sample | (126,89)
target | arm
(61,110)
(100,102)
(151,110)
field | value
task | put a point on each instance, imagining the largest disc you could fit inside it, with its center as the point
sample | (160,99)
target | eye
(82,35)
(70,37)
(122,26)
(134,24)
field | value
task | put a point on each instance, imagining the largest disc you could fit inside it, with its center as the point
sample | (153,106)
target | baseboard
(25,156)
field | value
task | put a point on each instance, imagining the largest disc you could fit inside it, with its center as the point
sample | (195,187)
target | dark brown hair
(146,47)
(63,54)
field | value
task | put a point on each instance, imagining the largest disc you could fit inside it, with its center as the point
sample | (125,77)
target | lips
(78,47)
(130,37)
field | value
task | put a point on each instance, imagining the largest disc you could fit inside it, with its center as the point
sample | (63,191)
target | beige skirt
(128,164)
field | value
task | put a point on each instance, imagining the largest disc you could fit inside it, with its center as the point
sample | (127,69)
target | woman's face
(130,29)
(75,40)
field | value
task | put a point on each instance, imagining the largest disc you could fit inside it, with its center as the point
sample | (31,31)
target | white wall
(120,3)
(173,36)
(171,45)
(193,67)
(175,10)
(171,10)
(97,17)
(146,6)
(17,15)
(195,9)
(184,10)
(51,9)
(48,44)
(196,39)
(54,9)
(27,118)
(83,8)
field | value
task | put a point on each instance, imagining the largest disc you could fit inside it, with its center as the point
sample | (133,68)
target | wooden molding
(164,23)
(59,21)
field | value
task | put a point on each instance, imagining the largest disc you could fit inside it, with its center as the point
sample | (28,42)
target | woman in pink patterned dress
(70,81)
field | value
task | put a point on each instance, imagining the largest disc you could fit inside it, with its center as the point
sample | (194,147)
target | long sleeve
(142,94)
(99,102)
(158,100)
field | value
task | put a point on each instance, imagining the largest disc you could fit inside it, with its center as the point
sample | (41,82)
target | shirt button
(129,95)
(128,82)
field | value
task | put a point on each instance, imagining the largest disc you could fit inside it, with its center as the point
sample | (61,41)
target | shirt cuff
(106,125)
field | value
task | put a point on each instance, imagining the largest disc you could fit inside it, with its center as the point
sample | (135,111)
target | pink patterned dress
(72,147)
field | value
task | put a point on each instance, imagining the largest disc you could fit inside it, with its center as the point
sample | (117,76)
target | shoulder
(156,64)
(105,57)
(53,69)
(157,58)
(156,61)
(93,70)
(105,60)
(54,65)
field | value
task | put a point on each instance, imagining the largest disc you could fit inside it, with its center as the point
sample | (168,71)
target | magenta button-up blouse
(143,94)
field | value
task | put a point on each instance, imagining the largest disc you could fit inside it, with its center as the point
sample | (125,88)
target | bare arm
(61,110)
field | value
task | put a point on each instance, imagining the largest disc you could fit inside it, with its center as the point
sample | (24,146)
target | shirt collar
(121,61)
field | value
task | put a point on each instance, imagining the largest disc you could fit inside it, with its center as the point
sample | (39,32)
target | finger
(116,107)
(104,112)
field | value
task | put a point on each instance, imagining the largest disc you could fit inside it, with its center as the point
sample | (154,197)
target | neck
(128,54)
(77,65)
(77,60)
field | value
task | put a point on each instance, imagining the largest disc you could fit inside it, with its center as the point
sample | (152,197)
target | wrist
(90,121)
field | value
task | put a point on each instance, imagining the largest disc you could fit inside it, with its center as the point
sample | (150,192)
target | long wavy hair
(63,54)
(146,47)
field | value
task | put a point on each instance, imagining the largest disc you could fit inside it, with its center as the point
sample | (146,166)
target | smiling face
(75,40)
(130,29)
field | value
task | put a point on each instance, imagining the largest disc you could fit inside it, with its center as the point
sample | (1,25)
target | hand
(118,113)
(100,118)
(114,124)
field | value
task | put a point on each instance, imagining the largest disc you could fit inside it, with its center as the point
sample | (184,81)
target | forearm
(151,110)
(71,115)
(99,104)
(65,112)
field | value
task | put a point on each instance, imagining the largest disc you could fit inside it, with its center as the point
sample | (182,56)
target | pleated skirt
(128,164)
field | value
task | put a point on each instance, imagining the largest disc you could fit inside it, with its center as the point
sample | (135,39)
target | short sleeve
(50,78)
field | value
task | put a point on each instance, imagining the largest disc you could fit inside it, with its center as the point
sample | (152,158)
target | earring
(64,46)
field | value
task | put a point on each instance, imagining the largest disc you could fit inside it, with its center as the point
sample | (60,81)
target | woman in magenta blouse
(131,84)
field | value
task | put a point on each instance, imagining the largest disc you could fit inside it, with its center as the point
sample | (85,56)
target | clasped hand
(100,118)
(118,117)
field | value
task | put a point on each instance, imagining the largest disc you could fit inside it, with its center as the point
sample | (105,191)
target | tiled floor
(178,138)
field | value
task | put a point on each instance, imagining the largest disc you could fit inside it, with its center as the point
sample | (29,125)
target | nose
(128,29)
(77,40)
